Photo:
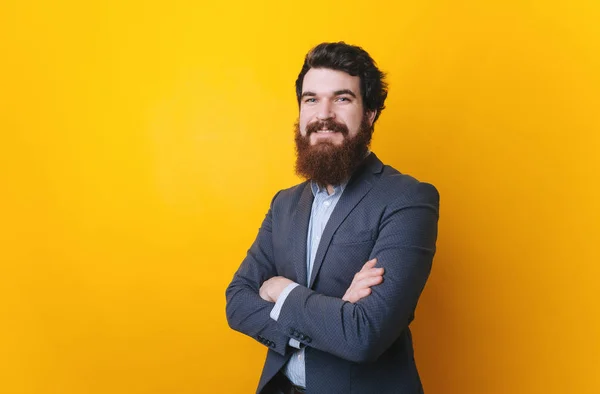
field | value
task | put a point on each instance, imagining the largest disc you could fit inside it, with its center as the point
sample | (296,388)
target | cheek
(352,121)
(303,120)
(302,127)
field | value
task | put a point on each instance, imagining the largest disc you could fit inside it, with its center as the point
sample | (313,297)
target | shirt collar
(316,189)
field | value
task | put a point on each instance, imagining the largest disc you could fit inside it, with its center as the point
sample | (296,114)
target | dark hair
(352,60)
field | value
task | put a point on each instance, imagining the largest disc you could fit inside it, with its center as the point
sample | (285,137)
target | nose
(325,110)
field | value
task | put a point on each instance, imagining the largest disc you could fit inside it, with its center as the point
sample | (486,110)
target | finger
(375,271)
(369,273)
(369,264)
(368,282)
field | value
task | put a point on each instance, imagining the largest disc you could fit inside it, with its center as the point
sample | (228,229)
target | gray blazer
(364,347)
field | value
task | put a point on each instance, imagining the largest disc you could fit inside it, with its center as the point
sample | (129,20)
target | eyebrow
(344,91)
(336,93)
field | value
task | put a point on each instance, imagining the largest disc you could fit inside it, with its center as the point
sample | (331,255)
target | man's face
(333,132)
(331,107)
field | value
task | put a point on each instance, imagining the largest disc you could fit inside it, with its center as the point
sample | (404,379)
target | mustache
(326,125)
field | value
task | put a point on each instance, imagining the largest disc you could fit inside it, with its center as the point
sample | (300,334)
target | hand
(361,285)
(272,288)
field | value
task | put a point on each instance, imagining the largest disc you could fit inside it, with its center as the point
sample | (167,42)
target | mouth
(325,131)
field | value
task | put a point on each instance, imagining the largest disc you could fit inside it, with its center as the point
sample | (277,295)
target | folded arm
(246,311)
(362,331)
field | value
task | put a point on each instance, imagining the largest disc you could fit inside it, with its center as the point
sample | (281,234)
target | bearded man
(331,283)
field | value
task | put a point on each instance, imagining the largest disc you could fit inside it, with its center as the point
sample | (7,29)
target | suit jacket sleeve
(246,311)
(362,331)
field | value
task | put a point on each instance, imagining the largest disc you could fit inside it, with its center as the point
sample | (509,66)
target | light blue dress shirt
(322,207)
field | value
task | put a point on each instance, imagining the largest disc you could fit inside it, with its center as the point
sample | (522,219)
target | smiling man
(331,283)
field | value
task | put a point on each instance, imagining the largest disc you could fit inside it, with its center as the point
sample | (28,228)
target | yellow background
(141,143)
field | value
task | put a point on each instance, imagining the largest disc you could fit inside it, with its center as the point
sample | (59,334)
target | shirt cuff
(277,308)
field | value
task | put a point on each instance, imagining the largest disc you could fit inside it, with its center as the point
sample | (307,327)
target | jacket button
(292,331)
(308,339)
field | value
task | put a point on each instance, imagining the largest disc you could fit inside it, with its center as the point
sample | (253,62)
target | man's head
(341,94)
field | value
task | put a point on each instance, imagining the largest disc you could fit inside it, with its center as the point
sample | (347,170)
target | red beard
(326,163)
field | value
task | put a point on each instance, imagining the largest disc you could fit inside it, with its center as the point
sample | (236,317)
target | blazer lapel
(358,187)
(299,233)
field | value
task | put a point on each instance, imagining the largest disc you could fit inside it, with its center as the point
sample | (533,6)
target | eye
(343,99)
(310,100)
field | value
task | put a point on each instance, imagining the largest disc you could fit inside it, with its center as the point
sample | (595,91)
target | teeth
(325,131)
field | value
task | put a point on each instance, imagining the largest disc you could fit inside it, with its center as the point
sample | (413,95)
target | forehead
(327,81)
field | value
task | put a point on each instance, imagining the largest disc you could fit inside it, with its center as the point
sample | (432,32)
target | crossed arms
(362,324)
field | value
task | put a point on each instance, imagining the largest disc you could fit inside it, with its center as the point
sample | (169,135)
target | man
(332,280)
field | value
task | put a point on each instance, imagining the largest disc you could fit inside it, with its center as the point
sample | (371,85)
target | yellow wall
(141,143)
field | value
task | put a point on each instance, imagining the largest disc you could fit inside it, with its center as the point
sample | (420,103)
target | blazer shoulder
(401,186)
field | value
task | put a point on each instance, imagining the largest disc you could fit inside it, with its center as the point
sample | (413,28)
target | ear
(371,116)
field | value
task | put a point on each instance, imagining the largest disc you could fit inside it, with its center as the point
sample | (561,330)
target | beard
(327,163)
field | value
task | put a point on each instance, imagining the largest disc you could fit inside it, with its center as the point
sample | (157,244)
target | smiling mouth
(326,131)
